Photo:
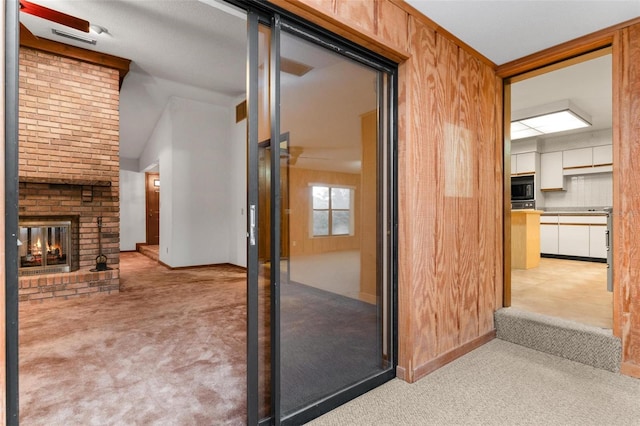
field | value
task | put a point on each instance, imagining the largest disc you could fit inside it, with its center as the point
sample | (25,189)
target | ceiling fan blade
(54,16)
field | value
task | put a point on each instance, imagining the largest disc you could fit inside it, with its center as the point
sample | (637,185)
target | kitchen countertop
(574,213)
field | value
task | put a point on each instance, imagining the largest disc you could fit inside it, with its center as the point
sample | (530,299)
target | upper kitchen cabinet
(524,163)
(551,171)
(602,155)
(597,159)
(582,157)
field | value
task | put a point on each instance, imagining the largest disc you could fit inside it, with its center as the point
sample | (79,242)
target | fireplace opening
(45,246)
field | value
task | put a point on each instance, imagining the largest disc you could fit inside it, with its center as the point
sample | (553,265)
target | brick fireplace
(68,173)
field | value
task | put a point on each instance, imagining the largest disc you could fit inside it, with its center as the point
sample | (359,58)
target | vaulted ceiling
(190,49)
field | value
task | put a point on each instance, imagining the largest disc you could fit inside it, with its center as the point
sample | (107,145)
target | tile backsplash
(583,191)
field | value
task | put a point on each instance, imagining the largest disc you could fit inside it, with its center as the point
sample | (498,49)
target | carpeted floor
(500,383)
(329,342)
(170,349)
(163,351)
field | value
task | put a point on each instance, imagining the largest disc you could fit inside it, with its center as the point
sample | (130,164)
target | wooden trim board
(444,359)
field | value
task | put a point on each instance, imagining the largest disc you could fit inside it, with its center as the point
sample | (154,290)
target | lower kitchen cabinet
(573,240)
(569,235)
(549,238)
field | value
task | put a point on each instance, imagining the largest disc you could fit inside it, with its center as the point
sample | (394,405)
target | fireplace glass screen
(44,247)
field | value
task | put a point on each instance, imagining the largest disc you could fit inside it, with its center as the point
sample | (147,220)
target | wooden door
(153,208)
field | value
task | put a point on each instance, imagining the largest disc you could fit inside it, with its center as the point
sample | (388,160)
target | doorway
(321,212)
(566,221)
(152,203)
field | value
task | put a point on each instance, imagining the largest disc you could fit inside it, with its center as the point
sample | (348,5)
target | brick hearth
(69,165)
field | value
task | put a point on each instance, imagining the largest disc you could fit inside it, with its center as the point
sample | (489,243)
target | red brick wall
(68,138)
(69,118)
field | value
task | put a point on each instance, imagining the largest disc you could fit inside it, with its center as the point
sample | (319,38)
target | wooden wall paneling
(627,221)
(392,24)
(417,289)
(405,230)
(621,223)
(506,206)
(487,229)
(357,14)
(326,6)
(619,81)
(447,207)
(498,196)
(467,166)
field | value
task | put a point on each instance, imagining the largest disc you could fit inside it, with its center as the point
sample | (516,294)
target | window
(332,210)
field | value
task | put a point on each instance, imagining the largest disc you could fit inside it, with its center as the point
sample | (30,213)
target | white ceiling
(588,85)
(189,49)
(511,29)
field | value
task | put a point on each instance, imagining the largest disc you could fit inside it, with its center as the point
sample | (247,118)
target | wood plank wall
(450,177)
(627,195)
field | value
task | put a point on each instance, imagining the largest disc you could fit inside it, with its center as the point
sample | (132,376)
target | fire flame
(37,247)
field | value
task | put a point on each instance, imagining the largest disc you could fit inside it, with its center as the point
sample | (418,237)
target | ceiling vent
(74,37)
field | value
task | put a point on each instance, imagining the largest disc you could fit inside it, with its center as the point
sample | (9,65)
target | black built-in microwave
(522,188)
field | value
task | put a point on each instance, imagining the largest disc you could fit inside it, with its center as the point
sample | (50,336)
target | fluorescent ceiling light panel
(559,117)
(519,131)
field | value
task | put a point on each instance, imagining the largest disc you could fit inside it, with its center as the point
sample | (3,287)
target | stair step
(588,345)
(150,251)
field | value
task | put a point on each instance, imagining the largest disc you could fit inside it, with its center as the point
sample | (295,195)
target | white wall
(588,191)
(238,190)
(200,152)
(132,183)
(132,208)
(199,183)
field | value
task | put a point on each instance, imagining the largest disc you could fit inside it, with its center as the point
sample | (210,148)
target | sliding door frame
(253,403)
(11,57)
(280,20)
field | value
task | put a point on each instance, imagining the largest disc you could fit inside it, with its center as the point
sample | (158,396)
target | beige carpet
(499,383)
(168,350)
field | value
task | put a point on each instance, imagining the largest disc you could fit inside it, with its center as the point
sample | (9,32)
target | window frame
(330,210)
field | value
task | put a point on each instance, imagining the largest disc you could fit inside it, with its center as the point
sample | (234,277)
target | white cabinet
(569,235)
(602,155)
(573,158)
(573,240)
(551,176)
(549,238)
(597,159)
(523,163)
(598,241)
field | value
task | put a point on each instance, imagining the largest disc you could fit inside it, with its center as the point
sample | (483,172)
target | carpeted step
(150,251)
(593,346)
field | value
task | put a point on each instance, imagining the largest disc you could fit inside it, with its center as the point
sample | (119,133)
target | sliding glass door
(321,281)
